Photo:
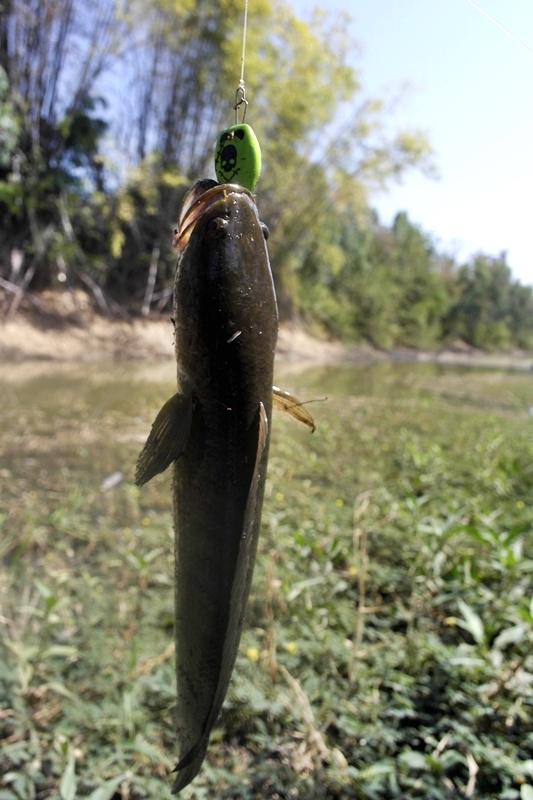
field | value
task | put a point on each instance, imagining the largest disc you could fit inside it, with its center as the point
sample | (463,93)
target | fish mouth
(198,201)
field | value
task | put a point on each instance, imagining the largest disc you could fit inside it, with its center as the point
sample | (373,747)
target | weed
(388,651)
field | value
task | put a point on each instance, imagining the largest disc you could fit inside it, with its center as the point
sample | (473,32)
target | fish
(215,432)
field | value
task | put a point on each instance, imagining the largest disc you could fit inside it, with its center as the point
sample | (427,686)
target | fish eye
(216,227)
(266,232)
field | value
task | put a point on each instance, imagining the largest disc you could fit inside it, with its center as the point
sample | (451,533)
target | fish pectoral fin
(167,439)
(285,401)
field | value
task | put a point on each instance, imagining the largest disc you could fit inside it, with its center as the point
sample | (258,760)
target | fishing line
(240,96)
(499,24)
(237,154)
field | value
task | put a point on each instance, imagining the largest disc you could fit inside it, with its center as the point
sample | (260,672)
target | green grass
(388,651)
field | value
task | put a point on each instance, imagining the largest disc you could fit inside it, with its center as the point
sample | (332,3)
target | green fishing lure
(238,157)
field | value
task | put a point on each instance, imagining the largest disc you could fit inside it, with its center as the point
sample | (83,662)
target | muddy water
(92,419)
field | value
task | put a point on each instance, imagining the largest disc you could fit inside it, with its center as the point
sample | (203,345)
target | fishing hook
(240,100)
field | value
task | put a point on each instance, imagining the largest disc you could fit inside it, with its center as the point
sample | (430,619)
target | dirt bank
(66,327)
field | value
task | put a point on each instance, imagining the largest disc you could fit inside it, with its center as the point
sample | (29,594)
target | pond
(412,497)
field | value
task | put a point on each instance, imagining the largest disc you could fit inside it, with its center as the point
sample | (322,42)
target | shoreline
(74,332)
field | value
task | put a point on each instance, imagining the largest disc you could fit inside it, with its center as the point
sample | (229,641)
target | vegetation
(108,111)
(392,286)
(388,651)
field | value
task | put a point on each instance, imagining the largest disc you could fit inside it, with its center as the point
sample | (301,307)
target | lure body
(238,156)
(216,430)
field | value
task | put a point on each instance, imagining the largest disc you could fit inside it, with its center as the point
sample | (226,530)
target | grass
(388,651)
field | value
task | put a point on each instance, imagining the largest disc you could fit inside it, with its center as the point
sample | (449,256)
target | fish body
(216,432)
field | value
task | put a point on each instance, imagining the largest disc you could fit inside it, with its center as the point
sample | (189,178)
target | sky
(470,89)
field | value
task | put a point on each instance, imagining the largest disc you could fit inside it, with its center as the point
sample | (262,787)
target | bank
(66,326)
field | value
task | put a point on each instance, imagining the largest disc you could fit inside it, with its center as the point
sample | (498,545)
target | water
(82,423)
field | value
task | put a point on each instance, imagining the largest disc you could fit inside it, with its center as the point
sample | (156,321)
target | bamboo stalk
(152,274)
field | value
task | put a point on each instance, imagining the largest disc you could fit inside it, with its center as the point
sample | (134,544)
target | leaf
(116,242)
(44,591)
(471,622)
(413,759)
(509,636)
(451,758)
(22,652)
(67,787)
(466,661)
(63,650)
(59,688)
(107,790)
(376,771)
(152,752)
(301,586)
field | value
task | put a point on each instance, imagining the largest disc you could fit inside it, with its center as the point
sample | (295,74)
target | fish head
(208,201)
(222,246)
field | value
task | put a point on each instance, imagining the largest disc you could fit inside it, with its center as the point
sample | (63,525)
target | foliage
(391,286)
(9,128)
(492,311)
(180,62)
(389,643)
(108,111)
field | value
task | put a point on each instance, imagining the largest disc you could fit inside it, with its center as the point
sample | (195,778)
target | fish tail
(189,771)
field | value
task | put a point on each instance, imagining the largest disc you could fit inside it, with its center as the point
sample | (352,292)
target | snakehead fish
(216,430)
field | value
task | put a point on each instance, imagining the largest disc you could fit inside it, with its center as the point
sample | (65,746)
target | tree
(481,314)
(423,300)
(324,148)
(52,55)
(375,283)
(299,82)
(520,317)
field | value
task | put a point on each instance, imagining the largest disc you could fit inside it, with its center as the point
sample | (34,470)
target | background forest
(109,110)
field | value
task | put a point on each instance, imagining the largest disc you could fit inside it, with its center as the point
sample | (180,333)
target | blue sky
(471,91)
